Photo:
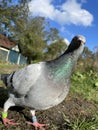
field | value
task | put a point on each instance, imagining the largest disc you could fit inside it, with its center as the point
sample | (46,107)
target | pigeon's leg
(7,105)
(35,122)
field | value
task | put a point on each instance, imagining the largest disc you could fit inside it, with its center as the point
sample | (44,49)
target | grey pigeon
(42,85)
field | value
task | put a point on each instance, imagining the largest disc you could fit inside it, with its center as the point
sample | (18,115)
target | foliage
(95,57)
(85,83)
(12,16)
(85,58)
(55,49)
(31,39)
(32,33)
(82,124)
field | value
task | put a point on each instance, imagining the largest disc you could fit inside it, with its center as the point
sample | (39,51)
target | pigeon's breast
(45,93)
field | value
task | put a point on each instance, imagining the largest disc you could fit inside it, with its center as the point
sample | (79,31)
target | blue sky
(71,17)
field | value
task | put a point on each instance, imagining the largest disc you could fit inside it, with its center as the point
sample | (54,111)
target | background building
(10,51)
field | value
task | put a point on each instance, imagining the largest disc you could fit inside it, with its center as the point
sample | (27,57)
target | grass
(86,84)
(8,67)
(83,124)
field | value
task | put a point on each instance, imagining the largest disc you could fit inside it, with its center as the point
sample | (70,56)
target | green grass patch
(8,67)
(85,84)
(82,123)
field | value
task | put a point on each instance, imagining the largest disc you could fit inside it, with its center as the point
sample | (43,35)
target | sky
(70,17)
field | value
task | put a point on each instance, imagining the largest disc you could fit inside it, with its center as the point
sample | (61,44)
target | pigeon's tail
(4,77)
(7,79)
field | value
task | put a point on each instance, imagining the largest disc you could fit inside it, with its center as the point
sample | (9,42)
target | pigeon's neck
(62,67)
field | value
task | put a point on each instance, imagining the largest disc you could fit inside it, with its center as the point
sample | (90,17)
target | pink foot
(7,121)
(37,125)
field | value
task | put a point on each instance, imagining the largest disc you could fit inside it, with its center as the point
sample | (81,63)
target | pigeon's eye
(79,41)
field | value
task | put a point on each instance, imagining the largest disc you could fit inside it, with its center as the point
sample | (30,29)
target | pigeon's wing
(25,78)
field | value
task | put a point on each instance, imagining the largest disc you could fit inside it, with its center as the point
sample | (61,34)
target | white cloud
(41,8)
(70,12)
(75,14)
(66,41)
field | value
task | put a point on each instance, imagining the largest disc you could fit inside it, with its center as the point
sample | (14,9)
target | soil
(57,118)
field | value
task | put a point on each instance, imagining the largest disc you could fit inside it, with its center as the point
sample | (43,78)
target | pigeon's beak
(82,39)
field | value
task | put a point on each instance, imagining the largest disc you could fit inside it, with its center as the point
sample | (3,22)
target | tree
(34,35)
(12,16)
(15,23)
(32,39)
(86,60)
(40,42)
(95,57)
(55,44)
(55,49)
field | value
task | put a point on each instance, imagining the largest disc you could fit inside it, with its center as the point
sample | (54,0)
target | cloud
(66,41)
(42,8)
(70,12)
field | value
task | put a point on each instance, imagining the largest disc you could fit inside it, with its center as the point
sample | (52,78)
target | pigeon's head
(79,39)
(76,43)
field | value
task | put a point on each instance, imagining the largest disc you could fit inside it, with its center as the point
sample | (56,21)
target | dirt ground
(73,107)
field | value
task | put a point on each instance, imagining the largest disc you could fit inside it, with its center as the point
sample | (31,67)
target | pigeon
(42,85)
